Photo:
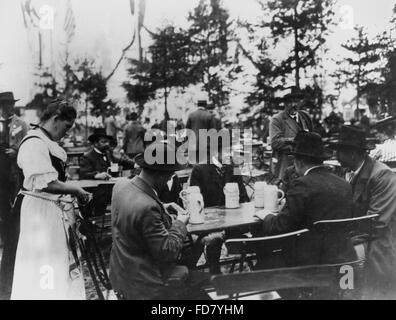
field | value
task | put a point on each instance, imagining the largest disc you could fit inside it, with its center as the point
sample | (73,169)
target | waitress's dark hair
(61,108)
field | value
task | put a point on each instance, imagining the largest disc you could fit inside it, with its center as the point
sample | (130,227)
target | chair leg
(87,258)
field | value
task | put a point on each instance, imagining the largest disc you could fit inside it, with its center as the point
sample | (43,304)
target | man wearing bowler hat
(316,195)
(374,192)
(147,239)
(284,126)
(12,131)
(95,163)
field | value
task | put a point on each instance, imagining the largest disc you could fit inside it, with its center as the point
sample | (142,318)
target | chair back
(359,230)
(314,276)
(267,249)
(337,234)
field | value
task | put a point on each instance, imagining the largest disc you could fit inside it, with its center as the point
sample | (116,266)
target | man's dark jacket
(146,241)
(319,195)
(211,181)
(93,162)
(374,192)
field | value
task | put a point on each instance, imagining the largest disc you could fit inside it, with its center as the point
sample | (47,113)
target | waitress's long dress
(43,257)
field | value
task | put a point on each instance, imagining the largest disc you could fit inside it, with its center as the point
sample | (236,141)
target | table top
(219,218)
(89,184)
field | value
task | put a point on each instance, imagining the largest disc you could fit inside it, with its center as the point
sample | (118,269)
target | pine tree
(165,66)
(210,32)
(362,68)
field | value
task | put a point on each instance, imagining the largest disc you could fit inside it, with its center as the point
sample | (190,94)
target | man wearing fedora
(147,239)
(374,192)
(95,163)
(385,151)
(317,194)
(200,119)
(284,126)
(12,131)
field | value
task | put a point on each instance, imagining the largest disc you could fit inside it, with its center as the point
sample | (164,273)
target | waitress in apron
(44,263)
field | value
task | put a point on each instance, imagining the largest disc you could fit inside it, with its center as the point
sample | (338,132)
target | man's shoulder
(138,201)
(90,154)
(279,116)
(381,169)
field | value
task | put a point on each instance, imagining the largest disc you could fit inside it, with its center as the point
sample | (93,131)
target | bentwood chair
(94,223)
(359,230)
(246,284)
(269,248)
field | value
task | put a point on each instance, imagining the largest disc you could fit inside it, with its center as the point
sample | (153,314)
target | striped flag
(142,11)
(132,3)
(70,22)
(30,16)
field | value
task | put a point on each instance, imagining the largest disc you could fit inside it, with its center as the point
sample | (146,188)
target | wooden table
(219,218)
(90,185)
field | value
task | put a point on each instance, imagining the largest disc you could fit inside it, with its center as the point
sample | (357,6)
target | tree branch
(122,56)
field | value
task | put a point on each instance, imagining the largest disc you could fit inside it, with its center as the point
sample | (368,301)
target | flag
(30,16)
(70,22)
(142,10)
(132,3)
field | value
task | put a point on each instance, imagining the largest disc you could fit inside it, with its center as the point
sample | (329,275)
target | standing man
(284,127)
(200,119)
(134,136)
(374,192)
(12,131)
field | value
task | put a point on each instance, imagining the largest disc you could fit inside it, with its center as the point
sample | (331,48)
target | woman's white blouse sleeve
(35,162)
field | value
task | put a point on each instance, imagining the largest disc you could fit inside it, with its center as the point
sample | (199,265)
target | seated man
(95,163)
(316,195)
(147,241)
(374,192)
(211,179)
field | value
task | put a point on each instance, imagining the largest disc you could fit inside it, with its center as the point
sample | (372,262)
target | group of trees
(286,48)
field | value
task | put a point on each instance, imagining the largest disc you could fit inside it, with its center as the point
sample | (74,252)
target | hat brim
(95,137)
(139,160)
(337,145)
(326,155)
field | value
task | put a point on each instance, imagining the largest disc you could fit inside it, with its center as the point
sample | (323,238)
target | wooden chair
(283,244)
(95,221)
(245,284)
(359,230)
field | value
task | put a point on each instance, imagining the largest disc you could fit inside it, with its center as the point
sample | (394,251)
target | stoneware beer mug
(113,170)
(272,197)
(193,203)
(231,192)
(259,188)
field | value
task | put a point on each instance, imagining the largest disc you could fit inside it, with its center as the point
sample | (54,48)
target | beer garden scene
(197,150)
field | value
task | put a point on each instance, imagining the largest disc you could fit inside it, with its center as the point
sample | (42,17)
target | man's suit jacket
(18,130)
(134,138)
(319,195)
(92,163)
(211,183)
(374,192)
(146,241)
(283,130)
(200,119)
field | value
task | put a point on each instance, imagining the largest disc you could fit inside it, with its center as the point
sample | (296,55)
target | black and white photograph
(198,154)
